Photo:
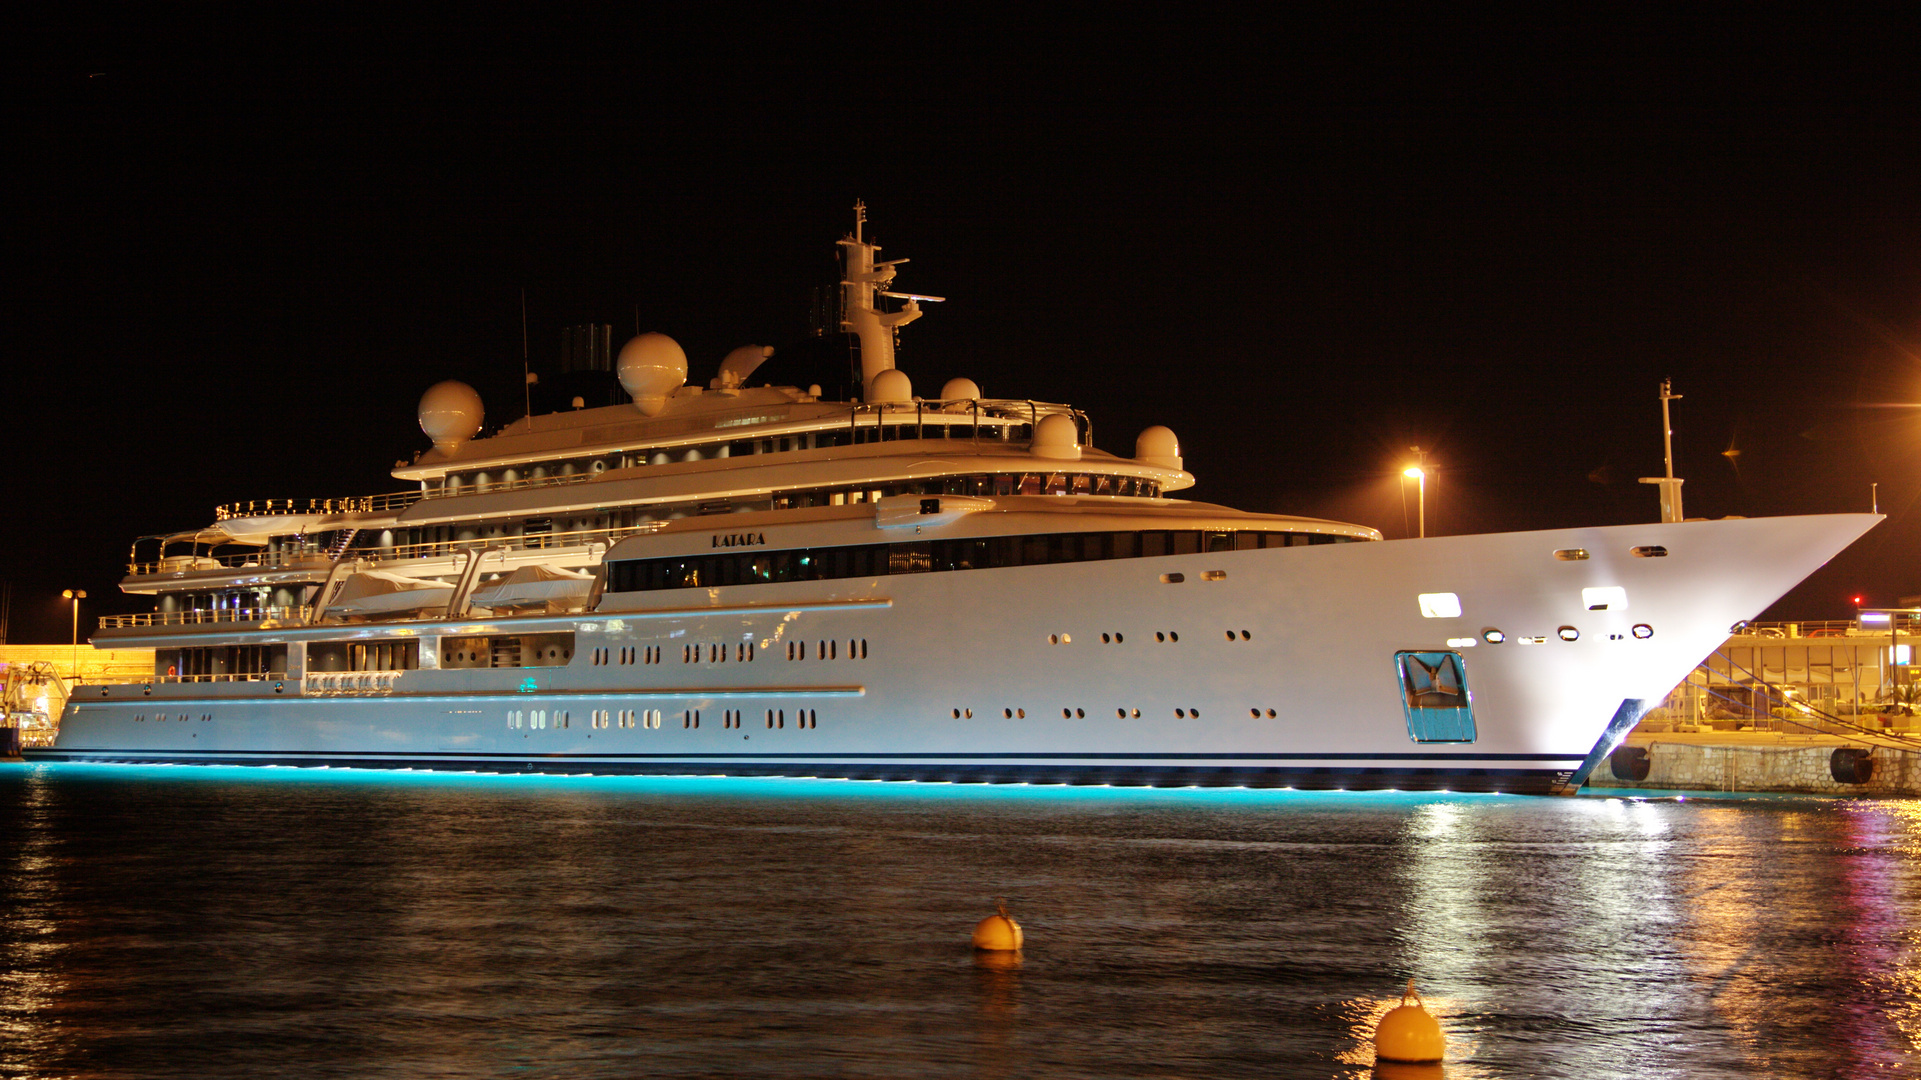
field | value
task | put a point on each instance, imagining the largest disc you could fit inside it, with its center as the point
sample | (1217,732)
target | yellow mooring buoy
(1409,1033)
(998,932)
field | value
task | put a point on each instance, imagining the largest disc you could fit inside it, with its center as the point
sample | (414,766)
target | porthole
(1181,713)
(1067,639)
(1245,636)
(1213,575)
(1643,631)
(1160,637)
(1651,551)
(1067,714)
(1569,633)
(1255,713)
(1007,714)
(1230,635)
(1571,554)
(1195,713)
(1493,636)
(1106,640)
(1079,715)
(1120,714)
(1053,639)
(1173,579)
(1118,639)
(957,714)
(1136,714)
(1020,714)
(1173,636)
(1270,714)
(967,714)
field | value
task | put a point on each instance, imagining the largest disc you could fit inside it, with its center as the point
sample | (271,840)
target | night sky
(238,252)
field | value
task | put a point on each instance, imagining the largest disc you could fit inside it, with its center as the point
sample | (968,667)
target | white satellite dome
(1158,447)
(651,367)
(1057,437)
(450,414)
(960,390)
(891,385)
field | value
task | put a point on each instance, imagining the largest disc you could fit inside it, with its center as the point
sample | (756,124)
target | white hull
(1323,625)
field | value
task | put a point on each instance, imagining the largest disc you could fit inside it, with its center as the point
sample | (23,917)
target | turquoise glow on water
(755,787)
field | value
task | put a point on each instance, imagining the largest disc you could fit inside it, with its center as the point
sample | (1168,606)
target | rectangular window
(1434,693)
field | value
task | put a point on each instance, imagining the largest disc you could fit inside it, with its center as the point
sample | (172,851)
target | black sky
(240,250)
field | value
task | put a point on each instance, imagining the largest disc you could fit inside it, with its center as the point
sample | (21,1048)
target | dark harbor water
(244,923)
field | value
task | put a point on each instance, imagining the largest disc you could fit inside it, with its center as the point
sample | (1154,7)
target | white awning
(535,585)
(372,592)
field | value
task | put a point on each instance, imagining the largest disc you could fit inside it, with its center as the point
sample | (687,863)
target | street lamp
(1416,472)
(75,595)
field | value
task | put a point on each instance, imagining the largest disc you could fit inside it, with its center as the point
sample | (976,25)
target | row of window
(1067,713)
(141,718)
(629,654)
(922,556)
(828,649)
(895,428)
(979,484)
(716,652)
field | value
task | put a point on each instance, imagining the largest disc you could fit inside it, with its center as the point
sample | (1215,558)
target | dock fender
(1851,765)
(1630,763)
(1625,717)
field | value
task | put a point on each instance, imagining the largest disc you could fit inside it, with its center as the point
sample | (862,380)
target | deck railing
(1904,623)
(293,560)
(199,616)
(349,682)
(359,504)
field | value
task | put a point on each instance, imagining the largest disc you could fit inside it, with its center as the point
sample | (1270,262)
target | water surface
(226,922)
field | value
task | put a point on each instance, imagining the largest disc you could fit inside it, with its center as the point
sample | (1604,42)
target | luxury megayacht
(856,581)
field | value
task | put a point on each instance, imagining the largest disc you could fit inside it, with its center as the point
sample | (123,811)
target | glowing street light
(75,595)
(1416,472)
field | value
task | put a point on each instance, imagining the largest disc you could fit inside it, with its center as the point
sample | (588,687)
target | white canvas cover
(373,592)
(530,585)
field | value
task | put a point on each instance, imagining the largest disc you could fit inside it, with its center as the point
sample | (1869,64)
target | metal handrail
(360,504)
(266,560)
(349,682)
(1806,628)
(204,615)
(523,542)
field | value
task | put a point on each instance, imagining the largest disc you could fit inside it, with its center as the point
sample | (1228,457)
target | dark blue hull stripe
(1415,760)
(1116,769)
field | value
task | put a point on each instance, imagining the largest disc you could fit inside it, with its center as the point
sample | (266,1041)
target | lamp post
(75,595)
(1416,472)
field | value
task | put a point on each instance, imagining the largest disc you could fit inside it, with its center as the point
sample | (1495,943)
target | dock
(1801,708)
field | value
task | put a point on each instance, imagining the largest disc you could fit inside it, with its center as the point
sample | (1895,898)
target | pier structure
(1828,708)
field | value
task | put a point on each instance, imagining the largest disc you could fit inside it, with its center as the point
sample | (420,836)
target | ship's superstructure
(749,578)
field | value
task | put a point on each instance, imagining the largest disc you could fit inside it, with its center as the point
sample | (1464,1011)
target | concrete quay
(1764,762)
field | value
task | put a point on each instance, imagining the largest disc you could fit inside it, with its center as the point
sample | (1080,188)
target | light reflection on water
(243,922)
